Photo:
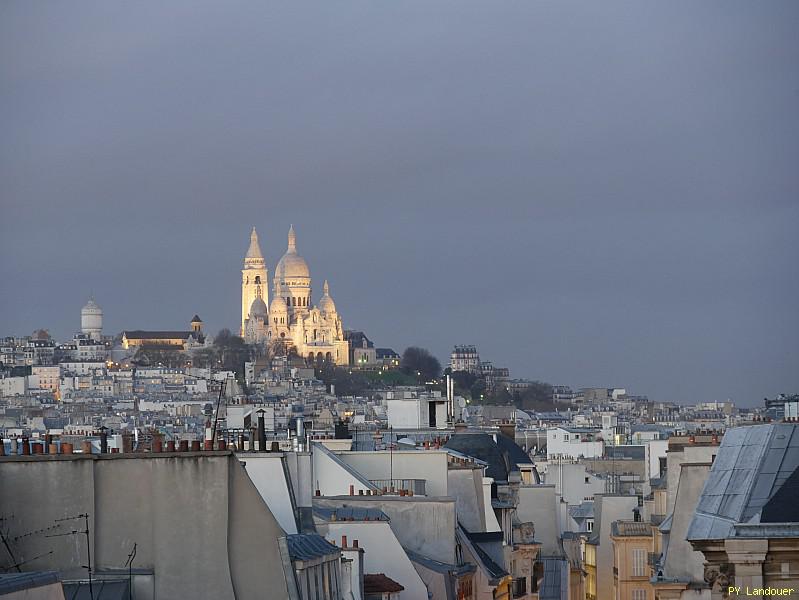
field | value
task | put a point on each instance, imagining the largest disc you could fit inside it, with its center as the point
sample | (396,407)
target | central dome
(292,265)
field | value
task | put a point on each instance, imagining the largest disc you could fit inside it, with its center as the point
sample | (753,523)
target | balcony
(416,485)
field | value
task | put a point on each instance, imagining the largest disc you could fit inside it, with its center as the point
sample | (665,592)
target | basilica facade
(291,320)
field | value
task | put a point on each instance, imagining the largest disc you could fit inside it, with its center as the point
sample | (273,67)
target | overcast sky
(593,193)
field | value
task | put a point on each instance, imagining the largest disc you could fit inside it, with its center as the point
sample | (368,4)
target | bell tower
(253,279)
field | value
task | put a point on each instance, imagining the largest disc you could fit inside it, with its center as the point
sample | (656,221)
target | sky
(593,193)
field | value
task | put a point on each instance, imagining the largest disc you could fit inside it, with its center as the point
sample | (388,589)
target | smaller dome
(91,307)
(278,305)
(326,304)
(258,308)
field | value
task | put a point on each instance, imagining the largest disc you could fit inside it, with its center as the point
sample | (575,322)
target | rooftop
(307,546)
(375,583)
(754,480)
(630,529)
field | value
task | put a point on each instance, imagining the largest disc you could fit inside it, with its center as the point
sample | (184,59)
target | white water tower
(91,320)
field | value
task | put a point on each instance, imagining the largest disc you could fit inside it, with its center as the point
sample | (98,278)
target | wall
(558,446)
(383,554)
(569,481)
(606,510)
(266,470)
(197,520)
(681,559)
(466,486)
(332,476)
(538,504)
(407,414)
(420,524)
(654,451)
(430,465)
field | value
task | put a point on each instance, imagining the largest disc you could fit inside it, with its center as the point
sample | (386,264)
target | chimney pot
(158,444)
(170,446)
(352,490)
(208,445)
(184,446)
(66,448)
(195,445)
(343,541)
(114,450)
(354,543)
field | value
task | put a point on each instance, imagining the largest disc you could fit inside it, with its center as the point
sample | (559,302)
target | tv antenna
(85,531)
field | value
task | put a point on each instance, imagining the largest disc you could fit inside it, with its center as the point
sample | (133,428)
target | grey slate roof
(501,456)
(584,510)
(555,584)
(307,546)
(350,513)
(753,480)
(15,582)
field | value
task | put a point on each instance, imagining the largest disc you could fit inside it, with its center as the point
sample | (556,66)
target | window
(639,594)
(639,562)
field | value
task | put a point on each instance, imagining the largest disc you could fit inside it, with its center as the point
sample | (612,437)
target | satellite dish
(462,402)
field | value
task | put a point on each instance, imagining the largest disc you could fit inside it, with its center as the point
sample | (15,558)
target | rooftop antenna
(88,566)
(216,416)
(7,540)
(129,565)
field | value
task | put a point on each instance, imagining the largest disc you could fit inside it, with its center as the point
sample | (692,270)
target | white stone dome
(91,308)
(278,305)
(292,266)
(326,304)
(258,308)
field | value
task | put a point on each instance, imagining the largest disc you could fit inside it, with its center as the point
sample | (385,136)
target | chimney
(261,431)
(208,445)
(354,543)
(241,442)
(170,446)
(460,427)
(195,445)
(352,490)
(66,448)
(221,445)
(103,440)
(26,447)
(508,429)
(343,541)
(86,447)
(158,444)
(184,446)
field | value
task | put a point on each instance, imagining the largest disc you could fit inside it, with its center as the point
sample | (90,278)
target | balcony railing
(416,485)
